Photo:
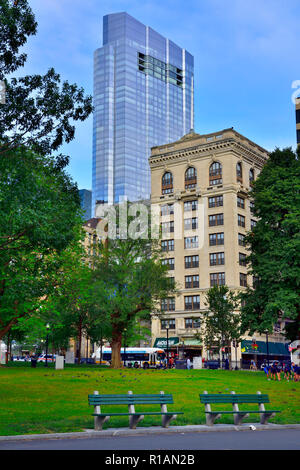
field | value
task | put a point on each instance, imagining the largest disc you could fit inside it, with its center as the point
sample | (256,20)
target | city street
(288,439)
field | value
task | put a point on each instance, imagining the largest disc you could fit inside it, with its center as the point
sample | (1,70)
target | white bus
(133,357)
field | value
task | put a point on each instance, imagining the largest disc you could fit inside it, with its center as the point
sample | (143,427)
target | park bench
(236,399)
(131,400)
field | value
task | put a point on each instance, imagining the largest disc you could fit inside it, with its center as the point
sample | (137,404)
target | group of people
(290,371)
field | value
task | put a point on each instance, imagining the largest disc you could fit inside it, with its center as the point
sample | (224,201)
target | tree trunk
(116,344)
(7,347)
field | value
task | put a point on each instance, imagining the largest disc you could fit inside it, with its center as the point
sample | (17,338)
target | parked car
(21,358)
(50,358)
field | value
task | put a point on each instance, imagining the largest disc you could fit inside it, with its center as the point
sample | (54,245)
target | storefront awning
(275,349)
(191,342)
(162,342)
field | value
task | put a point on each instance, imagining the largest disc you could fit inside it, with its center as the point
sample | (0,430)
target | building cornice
(210,151)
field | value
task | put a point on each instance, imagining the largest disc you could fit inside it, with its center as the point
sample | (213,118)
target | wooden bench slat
(140,413)
(135,416)
(236,399)
(233,398)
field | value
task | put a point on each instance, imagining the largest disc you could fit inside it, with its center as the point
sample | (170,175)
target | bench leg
(99,421)
(238,418)
(264,417)
(134,420)
(166,419)
(211,418)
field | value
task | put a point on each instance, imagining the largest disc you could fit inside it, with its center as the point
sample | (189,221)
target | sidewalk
(89,433)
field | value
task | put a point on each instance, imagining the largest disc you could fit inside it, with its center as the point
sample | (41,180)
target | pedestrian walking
(287,372)
(273,371)
(188,363)
(278,371)
(296,373)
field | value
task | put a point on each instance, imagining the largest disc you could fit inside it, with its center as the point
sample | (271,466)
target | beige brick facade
(221,166)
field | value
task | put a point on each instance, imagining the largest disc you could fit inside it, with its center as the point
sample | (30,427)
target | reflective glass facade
(143,97)
(86,203)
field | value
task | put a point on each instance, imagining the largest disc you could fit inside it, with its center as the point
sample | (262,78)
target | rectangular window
(216,201)
(191,282)
(192,322)
(167,209)
(242,259)
(167,245)
(241,202)
(168,305)
(216,259)
(167,227)
(251,206)
(253,224)
(170,262)
(191,206)
(217,219)
(169,323)
(241,220)
(191,224)
(243,280)
(217,279)
(190,242)
(242,240)
(192,302)
(216,239)
(191,262)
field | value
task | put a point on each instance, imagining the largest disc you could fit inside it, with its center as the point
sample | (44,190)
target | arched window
(190,178)
(167,183)
(251,176)
(215,174)
(239,172)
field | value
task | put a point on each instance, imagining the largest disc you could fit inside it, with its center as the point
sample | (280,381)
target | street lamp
(101,345)
(125,330)
(47,340)
(167,328)
(235,344)
(267,341)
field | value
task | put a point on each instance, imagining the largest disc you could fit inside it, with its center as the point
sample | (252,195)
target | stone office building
(200,190)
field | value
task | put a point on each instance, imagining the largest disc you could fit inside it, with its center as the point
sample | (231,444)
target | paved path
(288,439)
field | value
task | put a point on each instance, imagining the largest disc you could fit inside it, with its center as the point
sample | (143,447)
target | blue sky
(246,59)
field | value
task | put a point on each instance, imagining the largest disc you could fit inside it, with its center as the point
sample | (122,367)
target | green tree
(275,247)
(39,210)
(39,111)
(129,284)
(69,310)
(221,322)
(17,23)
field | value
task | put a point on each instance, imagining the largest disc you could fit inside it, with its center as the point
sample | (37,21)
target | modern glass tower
(143,97)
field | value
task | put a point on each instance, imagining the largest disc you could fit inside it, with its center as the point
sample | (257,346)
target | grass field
(45,400)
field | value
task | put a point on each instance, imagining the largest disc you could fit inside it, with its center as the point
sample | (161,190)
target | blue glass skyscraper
(143,97)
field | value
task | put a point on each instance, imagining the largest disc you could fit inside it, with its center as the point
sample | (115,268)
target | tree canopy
(39,110)
(275,247)
(39,208)
(130,281)
(17,23)
(220,322)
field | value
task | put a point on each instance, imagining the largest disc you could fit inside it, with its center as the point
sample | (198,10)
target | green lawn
(45,400)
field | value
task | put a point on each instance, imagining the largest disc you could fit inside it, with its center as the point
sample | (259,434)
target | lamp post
(47,340)
(235,344)
(125,330)
(101,345)
(267,341)
(167,328)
